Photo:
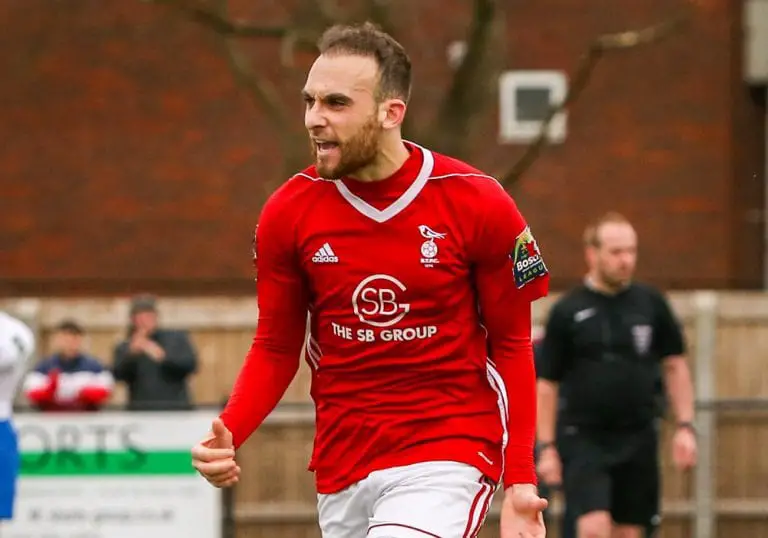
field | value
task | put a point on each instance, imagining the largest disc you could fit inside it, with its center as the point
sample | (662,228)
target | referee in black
(604,344)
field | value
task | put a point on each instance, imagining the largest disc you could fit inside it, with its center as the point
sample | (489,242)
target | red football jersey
(418,289)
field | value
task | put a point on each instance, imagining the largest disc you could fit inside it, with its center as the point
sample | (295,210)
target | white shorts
(440,499)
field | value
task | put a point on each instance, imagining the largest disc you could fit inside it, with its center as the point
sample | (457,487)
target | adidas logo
(325,254)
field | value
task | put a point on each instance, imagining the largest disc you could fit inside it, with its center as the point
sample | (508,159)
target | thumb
(540,504)
(534,503)
(221,433)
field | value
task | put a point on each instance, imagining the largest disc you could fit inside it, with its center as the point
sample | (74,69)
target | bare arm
(669,344)
(547,392)
(677,379)
(552,362)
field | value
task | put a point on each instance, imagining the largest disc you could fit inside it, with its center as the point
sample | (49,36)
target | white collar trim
(405,199)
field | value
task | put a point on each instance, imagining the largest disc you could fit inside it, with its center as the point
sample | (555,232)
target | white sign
(113,475)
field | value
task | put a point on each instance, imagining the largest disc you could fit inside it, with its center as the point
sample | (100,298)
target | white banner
(113,475)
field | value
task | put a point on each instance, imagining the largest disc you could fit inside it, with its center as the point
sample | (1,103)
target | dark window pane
(532,103)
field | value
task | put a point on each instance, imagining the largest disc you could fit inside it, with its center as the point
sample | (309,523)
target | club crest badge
(429,247)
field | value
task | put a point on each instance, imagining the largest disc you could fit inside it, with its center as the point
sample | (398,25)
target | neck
(391,157)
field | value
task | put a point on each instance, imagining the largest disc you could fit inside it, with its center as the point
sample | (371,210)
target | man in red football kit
(418,272)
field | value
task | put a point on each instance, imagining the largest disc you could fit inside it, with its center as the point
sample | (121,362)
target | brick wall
(130,160)
(666,134)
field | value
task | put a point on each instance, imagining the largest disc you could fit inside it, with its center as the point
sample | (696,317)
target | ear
(590,255)
(392,113)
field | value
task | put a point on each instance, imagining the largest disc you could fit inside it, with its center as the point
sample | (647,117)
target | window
(524,100)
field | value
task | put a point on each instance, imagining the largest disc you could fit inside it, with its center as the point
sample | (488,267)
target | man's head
(68,339)
(611,251)
(355,95)
(144,313)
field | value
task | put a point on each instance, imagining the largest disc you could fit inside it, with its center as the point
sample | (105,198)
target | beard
(617,279)
(356,153)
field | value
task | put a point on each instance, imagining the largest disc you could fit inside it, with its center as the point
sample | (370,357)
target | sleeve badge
(527,260)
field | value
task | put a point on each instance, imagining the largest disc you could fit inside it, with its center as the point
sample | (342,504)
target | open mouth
(325,147)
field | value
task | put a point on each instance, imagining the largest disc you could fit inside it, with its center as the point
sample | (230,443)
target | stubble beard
(615,282)
(356,153)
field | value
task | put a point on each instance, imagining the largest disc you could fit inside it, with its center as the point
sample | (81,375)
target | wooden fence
(726,496)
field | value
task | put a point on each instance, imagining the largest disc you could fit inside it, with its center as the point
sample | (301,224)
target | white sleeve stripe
(312,359)
(469,174)
(497,384)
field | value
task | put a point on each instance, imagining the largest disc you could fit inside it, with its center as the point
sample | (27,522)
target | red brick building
(130,160)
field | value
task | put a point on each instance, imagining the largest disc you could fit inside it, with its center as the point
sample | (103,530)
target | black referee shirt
(605,352)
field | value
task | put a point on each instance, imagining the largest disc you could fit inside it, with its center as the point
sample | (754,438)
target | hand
(684,449)
(154,350)
(143,344)
(138,341)
(521,513)
(550,468)
(214,457)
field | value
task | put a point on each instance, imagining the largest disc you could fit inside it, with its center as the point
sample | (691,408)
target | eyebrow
(337,97)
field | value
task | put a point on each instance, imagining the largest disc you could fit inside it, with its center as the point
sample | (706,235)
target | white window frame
(513,130)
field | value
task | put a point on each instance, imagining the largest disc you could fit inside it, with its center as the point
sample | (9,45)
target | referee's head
(610,244)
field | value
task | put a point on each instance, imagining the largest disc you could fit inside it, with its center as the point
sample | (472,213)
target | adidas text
(325,259)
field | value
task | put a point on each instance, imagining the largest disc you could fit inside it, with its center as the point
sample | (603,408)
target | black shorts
(613,472)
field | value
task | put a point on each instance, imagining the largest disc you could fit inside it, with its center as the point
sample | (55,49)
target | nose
(626,260)
(313,118)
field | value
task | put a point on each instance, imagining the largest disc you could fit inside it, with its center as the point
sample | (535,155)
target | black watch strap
(548,444)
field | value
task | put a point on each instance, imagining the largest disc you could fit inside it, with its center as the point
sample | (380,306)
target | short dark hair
(144,302)
(369,40)
(592,232)
(71,327)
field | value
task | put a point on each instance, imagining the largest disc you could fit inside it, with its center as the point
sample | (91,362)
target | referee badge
(641,335)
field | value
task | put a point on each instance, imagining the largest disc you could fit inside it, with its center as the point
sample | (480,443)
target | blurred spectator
(155,363)
(70,379)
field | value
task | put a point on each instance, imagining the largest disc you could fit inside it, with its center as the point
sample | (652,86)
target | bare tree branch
(463,100)
(219,23)
(585,68)
(331,11)
(260,90)
(267,98)
(309,20)
(379,12)
(300,34)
